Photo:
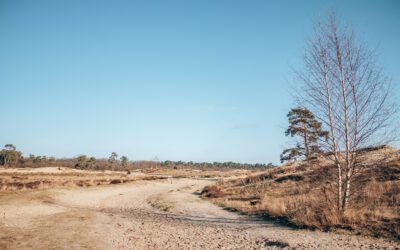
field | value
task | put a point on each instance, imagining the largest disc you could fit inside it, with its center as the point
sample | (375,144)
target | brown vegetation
(303,194)
(43,178)
(48,177)
(196,173)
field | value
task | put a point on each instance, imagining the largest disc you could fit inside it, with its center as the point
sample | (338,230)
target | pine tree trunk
(307,151)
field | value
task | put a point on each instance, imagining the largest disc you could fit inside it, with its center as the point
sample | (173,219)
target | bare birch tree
(349,94)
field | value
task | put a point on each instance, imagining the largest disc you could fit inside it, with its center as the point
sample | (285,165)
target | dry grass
(26,179)
(303,195)
(157,201)
(195,173)
(12,179)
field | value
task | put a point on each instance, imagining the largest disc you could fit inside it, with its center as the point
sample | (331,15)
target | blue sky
(180,80)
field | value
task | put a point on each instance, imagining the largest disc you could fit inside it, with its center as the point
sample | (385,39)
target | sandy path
(148,215)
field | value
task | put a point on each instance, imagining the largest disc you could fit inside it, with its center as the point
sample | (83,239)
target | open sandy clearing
(147,215)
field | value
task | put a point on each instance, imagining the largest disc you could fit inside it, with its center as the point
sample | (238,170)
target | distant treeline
(10,157)
(218,165)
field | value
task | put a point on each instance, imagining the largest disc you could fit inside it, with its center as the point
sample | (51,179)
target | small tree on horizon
(124,161)
(303,124)
(81,162)
(113,159)
(10,155)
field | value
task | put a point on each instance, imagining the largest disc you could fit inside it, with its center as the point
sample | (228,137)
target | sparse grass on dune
(26,179)
(303,195)
(48,177)
(196,173)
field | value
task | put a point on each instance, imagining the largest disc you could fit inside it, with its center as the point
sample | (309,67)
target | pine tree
(303,124)
(124,161)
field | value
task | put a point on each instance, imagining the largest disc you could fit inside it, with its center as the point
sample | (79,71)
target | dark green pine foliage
(304,126)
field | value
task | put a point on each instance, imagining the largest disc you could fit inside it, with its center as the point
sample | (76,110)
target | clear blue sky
(181,80)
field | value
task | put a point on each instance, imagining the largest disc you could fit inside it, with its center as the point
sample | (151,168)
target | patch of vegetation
(306,198)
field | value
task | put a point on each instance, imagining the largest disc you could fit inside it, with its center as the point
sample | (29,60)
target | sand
(149,215)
